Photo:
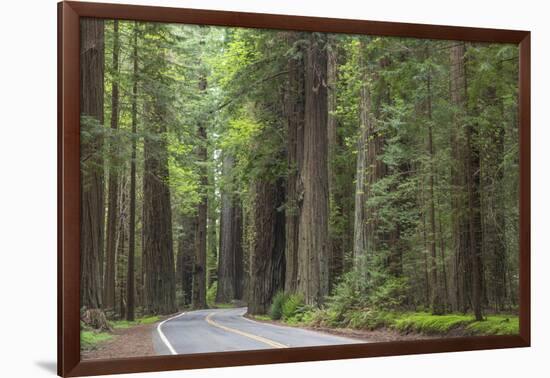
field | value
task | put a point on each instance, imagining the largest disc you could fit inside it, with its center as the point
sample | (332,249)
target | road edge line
(163,337)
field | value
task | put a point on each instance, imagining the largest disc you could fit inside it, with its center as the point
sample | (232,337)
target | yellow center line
(261,339)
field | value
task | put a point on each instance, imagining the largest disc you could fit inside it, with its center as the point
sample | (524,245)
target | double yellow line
(271,343)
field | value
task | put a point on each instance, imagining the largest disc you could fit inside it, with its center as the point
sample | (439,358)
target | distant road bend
(221,330)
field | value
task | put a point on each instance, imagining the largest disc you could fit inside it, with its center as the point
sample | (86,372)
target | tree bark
(199,266)
(230,263)
(436,298)
(462,265)
(470,263)
(474,215)
(160,287)
(212,242)
(92,177)
(313,248)
(185,257)
(336,251)
(366,161)
(130,290)
(267,255)
(295,141)
(112,221)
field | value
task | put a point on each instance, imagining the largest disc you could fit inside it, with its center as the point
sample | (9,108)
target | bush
(211,294)
(346,296)
(276,309)
(390,295)
(292,306)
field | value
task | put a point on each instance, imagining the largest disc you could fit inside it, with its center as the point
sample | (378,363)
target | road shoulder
(134,341)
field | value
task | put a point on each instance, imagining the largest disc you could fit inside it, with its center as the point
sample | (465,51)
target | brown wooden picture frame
(69,361)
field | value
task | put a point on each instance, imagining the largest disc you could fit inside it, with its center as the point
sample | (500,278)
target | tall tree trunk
(199,268)
(112,221)
(336,251)
(185,257)
(230,263)
(295,141)
(160,286)
(436,298)
(92,178)
(469,246)
(474,215)
(211,229)
(157,226)
(313,274)
(462,270)
(130,290)
(267,254)
(121,257)
(493,204)
(365,164)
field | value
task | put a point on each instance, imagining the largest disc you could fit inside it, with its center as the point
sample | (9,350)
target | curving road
(220,330)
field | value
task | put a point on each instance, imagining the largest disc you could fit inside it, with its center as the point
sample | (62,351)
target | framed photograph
(239,188)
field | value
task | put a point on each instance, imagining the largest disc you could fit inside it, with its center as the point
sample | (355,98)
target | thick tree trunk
(112,221)
(230,263)
(185,257)
(130,289)
(313,257)
(92,178)
(267,260)
(336,251)
(294,109)
(160,285)
(470,263)
(157,228)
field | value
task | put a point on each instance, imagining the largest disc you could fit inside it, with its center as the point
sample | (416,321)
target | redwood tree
(230,262)
(160,288)
(91,154)
(112,215)
(294,107)
(313,248)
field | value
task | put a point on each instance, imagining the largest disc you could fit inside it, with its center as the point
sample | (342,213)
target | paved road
(220,330)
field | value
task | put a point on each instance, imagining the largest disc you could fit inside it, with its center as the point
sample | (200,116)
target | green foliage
(466,324)
(293,306)
(417,322)
(262,317)
(431,324)
(90,340)
(122,324)
(390,295)
(495,325)
(289,307)
(223,305)
(211,295)
(276,309)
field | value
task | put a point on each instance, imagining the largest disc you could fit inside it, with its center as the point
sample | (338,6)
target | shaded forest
(352,173)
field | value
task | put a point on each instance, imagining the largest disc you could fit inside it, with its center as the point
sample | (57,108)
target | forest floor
(377,335)
(128,339)
(408,326)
